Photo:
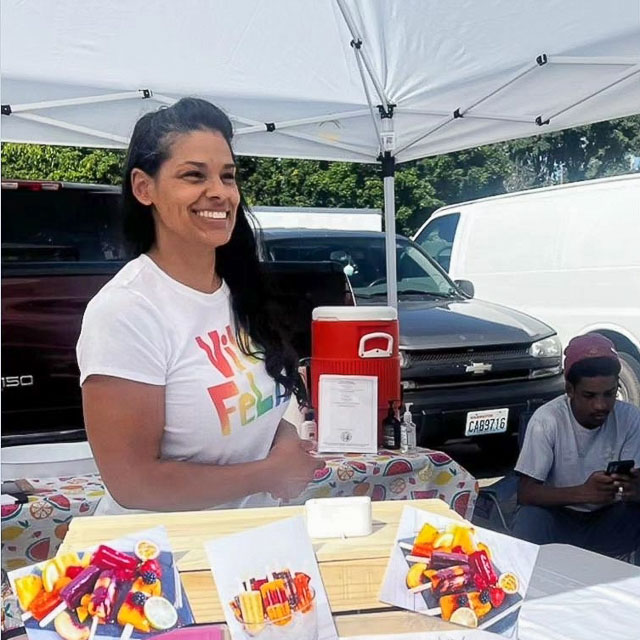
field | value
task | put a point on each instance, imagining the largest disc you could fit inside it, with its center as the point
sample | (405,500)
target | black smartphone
(620,467)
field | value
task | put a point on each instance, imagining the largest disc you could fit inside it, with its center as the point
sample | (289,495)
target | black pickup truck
(470,368)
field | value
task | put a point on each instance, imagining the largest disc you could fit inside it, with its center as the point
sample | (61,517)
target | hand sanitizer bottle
(407,431)
(309,428)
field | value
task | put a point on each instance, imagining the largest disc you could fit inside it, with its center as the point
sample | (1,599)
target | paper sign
(269,584)
(348,420)
(165,582)
(464,574)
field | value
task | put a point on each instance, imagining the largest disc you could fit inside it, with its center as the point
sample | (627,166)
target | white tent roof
(73,70)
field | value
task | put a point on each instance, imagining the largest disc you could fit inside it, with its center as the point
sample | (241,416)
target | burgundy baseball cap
(590,345)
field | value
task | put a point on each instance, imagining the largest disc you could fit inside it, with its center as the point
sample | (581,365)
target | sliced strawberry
(73,571)
(150,565)
(497,596)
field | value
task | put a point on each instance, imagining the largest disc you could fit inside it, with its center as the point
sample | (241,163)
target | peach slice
(67,629)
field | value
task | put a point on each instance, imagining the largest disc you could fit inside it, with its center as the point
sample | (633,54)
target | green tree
(584,153)
(69,164)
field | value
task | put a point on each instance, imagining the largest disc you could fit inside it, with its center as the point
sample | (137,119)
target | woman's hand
(292,467)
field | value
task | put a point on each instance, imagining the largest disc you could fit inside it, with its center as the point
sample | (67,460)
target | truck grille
(463,357)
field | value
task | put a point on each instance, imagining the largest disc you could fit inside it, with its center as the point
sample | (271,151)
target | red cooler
(357,341)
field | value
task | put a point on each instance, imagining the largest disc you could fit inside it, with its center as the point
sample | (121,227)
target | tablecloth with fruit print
(390,475)
(34,530)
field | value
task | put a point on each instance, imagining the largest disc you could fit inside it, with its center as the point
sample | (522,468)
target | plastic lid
(354,313)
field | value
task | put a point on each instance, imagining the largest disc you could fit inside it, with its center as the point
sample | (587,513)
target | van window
(437,238)
(67,225)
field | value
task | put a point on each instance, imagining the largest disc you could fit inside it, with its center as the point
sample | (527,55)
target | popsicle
(450,580)
(101,602)
(480,602)
(27,588)
(131,614)
(235,607)
(44,603)
(256,583)
(252,611)
(72,593)
(304,593)
(289,587)
(442,559)
(148,584)
(275,601)
(108,558)
(482,571)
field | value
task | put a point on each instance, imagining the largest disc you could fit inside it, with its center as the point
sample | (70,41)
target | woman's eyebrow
(200,165)
(203,165)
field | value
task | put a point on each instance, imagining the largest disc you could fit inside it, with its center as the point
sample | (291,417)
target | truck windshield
(363,260)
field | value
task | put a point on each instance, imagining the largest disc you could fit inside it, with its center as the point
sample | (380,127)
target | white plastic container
(345,517)
(47,460)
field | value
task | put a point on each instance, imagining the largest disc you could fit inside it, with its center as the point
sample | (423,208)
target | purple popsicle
(83,583)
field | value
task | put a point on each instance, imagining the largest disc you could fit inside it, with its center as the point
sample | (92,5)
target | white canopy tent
(350,80)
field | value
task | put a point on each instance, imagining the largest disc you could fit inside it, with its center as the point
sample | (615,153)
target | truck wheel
(629,379)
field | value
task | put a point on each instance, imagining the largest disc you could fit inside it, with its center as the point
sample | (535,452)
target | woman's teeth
(214,215)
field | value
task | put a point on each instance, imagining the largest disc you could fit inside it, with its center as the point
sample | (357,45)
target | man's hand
(599,489)
(293,467)
(630,485)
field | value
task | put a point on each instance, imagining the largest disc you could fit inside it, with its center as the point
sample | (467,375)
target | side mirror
(466,286)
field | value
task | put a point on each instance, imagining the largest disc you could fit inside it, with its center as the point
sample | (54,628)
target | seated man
(564,493)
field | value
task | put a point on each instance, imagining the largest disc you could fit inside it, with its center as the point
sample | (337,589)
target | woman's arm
(285,431)
(125,421)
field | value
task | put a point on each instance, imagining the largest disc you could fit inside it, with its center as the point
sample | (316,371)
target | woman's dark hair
(256,314)
(592,368)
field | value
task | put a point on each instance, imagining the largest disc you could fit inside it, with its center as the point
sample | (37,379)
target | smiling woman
(185,371)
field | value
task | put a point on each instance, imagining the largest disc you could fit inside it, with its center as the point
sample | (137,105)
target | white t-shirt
(222,407)
(560,452)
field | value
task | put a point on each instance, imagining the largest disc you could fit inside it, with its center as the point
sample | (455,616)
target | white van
(568,255)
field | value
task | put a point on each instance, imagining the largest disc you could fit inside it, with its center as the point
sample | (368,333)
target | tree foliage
(594,151)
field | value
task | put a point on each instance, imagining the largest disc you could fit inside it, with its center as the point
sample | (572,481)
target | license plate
(482,423)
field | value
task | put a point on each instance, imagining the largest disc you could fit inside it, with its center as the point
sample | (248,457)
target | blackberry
(463,600)
(485,596)
(138,599)
(149,577)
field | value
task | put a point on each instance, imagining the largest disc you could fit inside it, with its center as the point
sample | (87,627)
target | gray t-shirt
(560,452)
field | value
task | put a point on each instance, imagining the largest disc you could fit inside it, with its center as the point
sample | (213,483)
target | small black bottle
(391,429)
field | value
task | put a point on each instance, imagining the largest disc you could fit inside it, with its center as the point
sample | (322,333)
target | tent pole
(388,175)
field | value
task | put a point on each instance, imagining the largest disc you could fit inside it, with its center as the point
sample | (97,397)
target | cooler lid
(354,313)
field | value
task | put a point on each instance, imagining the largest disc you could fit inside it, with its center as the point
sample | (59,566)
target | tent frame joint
(388,164)
(5,109)
(457,114)
(542,59)
(270,126)
(356,43)
(146,93)
(540,122)
(386,113)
